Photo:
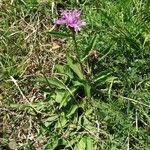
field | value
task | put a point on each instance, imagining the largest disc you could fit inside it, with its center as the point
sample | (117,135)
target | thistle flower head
(71,18)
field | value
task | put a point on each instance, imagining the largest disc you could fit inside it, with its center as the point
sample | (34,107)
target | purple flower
(71,18)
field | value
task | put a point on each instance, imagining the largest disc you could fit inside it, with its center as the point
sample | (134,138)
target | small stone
(12,145)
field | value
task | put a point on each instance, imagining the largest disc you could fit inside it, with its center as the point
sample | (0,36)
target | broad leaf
(81,145)
(89,144)
(59,96)
(61,121)
(87,89)
(90,47)
(59,34)
(64,70)
(67,96)
(52,81)
(72,110)
(102,76)
(75,67)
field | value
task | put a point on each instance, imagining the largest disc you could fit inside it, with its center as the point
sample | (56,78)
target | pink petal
(71,18)
(60,21)
(73,25)
(76,13)
(81,23)
(77,29)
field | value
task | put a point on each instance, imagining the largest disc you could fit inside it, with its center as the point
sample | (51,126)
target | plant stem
(75,44)
(76,50)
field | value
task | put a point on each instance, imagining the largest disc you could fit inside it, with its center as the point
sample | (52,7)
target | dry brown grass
(35,54)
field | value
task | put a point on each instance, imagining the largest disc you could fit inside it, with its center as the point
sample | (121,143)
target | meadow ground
(51,100)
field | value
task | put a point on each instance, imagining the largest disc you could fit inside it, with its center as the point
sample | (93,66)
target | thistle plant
(98,98)
(71,18)
(73,89)
(76,76)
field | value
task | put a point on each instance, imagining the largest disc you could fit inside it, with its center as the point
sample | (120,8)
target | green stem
(75,44)
(87,86)
(76,50)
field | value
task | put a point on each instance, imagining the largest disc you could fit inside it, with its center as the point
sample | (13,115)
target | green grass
(47,101)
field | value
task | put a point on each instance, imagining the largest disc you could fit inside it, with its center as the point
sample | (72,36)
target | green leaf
(52,81)
(90,47)
(60,68)
(77,83)
(64,70)
(89,144)
(132,42)
(106,51)
(87,89)
(102,76)
(72,110)
(51,145)
(50,120)
(81,145)
(75,67)
(67,96)
(62,121)
(59,96)
(59,34)
(88,124)
(110,79)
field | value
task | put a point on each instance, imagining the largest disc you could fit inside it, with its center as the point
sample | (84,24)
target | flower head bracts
(71,18)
